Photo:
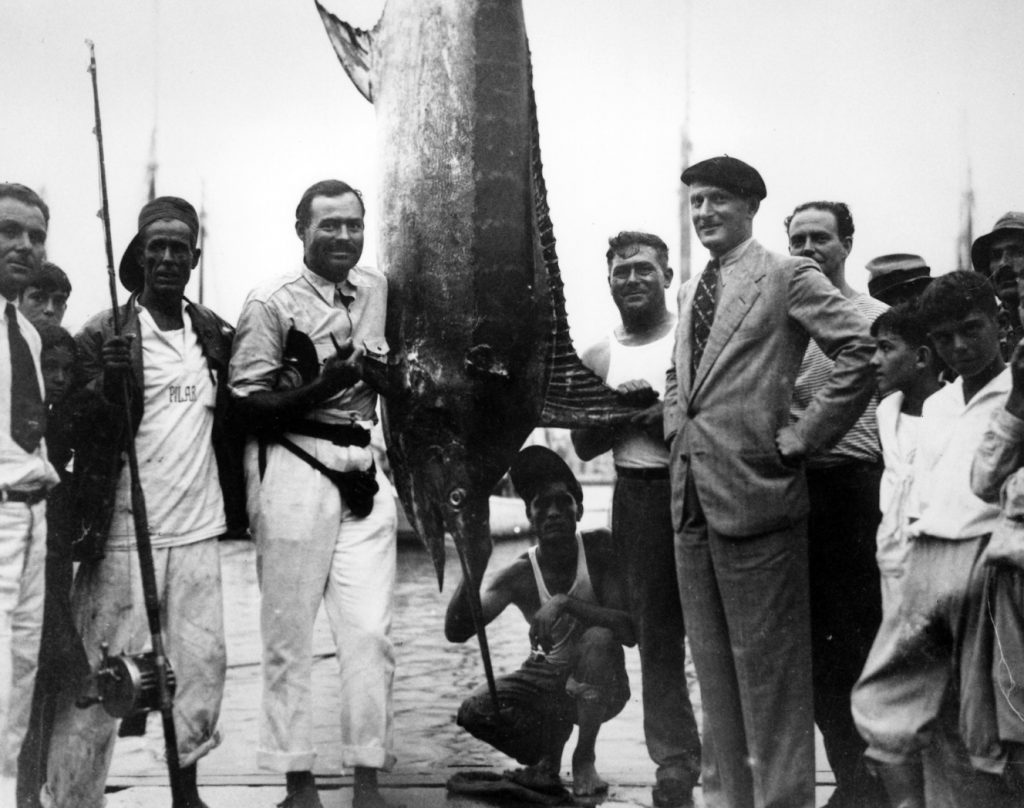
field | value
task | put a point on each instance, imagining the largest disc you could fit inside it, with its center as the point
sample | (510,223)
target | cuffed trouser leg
(312,549)
(22,564)
(109,607)
(642,527)
(748,618)
(898,697)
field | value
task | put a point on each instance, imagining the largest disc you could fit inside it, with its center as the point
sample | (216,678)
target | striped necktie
(28,417)
(703,313)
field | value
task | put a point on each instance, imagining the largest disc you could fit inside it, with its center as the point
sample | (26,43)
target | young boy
(906,373)
(898,699)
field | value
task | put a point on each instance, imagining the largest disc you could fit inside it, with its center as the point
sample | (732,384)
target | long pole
(138,497)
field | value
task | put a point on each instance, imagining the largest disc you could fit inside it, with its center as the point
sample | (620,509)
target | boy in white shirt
(923,652)
(906,373)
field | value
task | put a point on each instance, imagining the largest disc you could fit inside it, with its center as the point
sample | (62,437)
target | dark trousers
(642,530)
(846,604)
(745,600)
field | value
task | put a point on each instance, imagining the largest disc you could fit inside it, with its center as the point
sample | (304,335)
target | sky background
(879,103)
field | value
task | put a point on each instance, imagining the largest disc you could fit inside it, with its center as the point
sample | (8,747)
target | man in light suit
(739,502)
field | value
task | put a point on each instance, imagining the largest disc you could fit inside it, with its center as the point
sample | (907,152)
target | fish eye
(457,497)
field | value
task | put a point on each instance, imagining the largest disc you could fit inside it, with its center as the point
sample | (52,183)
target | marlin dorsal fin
(354,49)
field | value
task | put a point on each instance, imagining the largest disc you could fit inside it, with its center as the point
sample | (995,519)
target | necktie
(28,418)
(703,313)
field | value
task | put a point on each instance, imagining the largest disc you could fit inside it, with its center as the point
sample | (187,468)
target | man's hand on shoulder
(1015,402)
(791,446)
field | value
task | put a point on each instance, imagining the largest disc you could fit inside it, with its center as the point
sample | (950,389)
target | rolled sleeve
(999,455)
(256,357)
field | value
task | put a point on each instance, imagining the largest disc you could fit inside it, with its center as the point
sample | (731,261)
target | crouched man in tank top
(569,589)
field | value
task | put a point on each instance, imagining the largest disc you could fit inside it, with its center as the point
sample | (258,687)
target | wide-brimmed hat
(536,466)
(1010,222)
(897,274)
(729,173)
(163,207)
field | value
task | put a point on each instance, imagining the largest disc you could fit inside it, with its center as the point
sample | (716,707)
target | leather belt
(653,473)
(28,497)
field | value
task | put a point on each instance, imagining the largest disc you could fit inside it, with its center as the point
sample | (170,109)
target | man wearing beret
(897,278)
(842,484)
(1000,256)
(174,356)
(739,501)
(571,590)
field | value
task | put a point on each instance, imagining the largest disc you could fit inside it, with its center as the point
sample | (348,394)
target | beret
(729,173)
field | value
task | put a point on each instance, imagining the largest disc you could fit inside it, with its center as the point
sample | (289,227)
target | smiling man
(843,484)
(190,472)
(25,475)
(632,360)
(739,501)
(324,516)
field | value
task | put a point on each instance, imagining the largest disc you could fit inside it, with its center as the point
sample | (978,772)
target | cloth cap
(1011,222)
(535,466)
(163,207)
(729,173)
(897,271)
(49,276)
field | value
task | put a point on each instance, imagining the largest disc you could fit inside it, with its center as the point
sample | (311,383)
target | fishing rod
(133,685)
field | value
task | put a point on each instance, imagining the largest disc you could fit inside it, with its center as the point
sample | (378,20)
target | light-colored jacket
(722,425)
(997,475)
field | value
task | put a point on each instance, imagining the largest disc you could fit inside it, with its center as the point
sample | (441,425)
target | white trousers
(109,606)
(22,564)
(311,549)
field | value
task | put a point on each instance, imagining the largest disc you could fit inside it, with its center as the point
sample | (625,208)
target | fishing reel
(127,685)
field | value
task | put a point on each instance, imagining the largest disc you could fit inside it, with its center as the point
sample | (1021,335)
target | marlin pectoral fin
(353,46)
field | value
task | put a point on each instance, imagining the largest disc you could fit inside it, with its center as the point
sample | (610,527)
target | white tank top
(635,448)
(566,627)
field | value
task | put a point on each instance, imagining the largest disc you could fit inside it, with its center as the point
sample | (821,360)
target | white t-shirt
(174,443)
(635,448)
(899,435)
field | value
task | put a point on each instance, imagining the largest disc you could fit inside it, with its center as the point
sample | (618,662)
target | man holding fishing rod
(174,355)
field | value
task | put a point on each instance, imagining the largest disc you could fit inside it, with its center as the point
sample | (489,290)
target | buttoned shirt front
(950,434)
(328,314)
(20,470)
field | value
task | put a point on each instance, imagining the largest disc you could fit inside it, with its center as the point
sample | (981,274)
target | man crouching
(569,589)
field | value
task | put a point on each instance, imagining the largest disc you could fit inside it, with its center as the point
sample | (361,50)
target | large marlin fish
(476,314)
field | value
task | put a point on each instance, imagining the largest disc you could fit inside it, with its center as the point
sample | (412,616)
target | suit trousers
(642,530)
(311,549)
(748,616)
(22,564)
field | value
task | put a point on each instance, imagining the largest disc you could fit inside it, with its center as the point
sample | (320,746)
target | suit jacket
(722,424)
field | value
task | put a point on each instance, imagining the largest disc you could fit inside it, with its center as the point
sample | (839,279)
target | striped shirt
(861,442)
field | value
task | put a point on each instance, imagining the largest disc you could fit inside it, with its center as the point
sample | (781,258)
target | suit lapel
(736,299)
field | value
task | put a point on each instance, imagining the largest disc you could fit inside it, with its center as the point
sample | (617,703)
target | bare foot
(585,780)
(537,777)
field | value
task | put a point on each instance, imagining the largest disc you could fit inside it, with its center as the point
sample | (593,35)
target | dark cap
(49,276)
(1011,222)
(897,275)
(163,207)
(536,466)
(729,173)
